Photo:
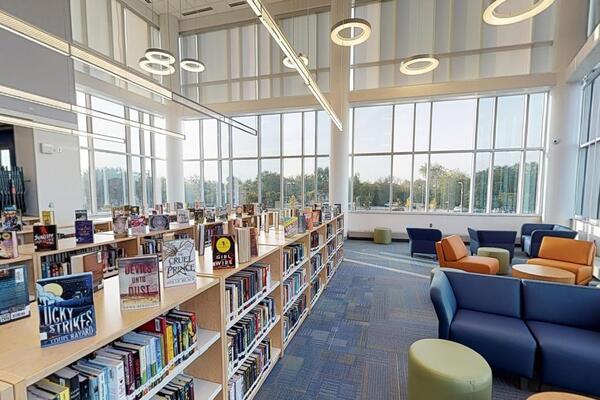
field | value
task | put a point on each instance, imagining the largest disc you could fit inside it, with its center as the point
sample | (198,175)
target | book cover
(90,262)
(8,245)
(290,226)
(116,211)
(178,205)
(199,215)
(239,211)
(200,238)
(139,282)
(197,204)
(14,293)
(84,231)
(179,262)
(45,237)
(183,216)
(137,224)
(223,251)
(66,308)
(158,222)
(120,226)
(47,217)
(11,219)
(81,215)
(134,210)
(209,214)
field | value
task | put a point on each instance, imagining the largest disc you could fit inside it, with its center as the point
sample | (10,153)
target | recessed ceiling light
(491,17)
(192,65)
(155,68)
(418,65)
(289,64)
(358,24)
(159,56)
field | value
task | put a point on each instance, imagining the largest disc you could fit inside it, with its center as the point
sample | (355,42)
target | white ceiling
(180,7)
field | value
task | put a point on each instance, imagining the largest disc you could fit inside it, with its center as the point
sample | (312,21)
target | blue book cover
(84,231)
(66,308)
(14,293)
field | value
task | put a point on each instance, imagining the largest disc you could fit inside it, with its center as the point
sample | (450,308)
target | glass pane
(323,132)
(589,181)
(224,140)
(245,144)
(137,198)
(309,181)
(149,182)
(595,111)
(211,179)
(586,104)
(401,183)
(134,134)
(210,140)
(82,119)
(245,182)
(225,183)
(403,127)
(292,134)
(453,124)
(450,182)
(373,129)
(322,179)
(482,174)
(422,123)
(191,145)
(505,182)
(84,163)
(530,181)
(509,122)
(419,181)
(111,180)
(191,176)
(581,184)
(108,128)
(485,126)
(270,135)
(160,141)
(292,182)
(161,181)
(309,133)
(147,137)
(536,118)
(271,183)
(371,182)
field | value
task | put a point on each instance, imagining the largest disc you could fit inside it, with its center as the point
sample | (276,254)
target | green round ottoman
(502,255)
(382,235)
(443,370)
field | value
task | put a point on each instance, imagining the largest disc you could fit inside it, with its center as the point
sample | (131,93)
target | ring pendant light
(358,24)
(192,65)
(157,68)
(412,65)
(160,56)
(289,64)
(491,17)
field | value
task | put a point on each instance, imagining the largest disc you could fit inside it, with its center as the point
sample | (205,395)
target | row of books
(330,231)
(210,231)
(293,285)
(293,315)
(315,240)
(315,289)
(339,239)
(246,378)
(329,268)
(243,288)
(331,246)
(315,264)
(242,336)
(180,388)
(247,241)
(293,255)
(63,263)
(339,256)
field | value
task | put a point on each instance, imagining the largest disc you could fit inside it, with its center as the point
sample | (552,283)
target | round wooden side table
(542,273)
(557,396)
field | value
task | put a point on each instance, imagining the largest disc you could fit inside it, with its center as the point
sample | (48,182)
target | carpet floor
(354,345)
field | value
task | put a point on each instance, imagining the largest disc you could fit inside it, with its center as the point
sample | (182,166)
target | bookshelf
(25,236)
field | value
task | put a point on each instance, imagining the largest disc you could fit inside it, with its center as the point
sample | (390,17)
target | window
(476,155)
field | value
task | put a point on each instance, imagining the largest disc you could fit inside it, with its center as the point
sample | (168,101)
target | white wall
(26,159)
(362,224)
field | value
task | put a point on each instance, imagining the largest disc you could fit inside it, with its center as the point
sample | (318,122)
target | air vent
(198,11)
(237,4)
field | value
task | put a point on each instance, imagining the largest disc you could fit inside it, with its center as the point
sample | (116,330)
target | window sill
(446,214)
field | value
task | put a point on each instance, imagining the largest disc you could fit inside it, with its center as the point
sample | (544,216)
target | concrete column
(563,132)
(339,60)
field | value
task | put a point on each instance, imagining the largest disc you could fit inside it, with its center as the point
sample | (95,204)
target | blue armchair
(422,240)
(532,235)
(499,239)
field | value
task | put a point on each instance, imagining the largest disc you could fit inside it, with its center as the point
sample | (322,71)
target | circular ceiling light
(418,65)
(159,56)
(155,68)
(491,17)
(358,24)
(191,65)
(289,64)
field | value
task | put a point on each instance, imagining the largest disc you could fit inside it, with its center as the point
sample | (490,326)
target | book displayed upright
(139,282)
(66,308)
(223,251)
(11,219)
(81,215)
(47,217)
(45,237)
(158,222)
(8,244)
(179,262)
(84,231)
(183,216)
(14,293)
(199,215)
(137,223)
(120,226)
(90,262)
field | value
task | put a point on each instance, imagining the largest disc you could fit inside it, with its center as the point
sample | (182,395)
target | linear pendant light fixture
(277,34)
(491,17)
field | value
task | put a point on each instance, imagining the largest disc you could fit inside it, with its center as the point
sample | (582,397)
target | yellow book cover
(48,217)
(170,343)
(60,390)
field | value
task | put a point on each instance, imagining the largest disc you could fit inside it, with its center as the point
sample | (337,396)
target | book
(45,237)
(290,226)
(209,214)
(179,262)
(81,215)
(120,226)
(223,251)
(199,215)
(47,217)
(139,282)
(66,308)
(69,378)
(239,211)
(118,211)
(90,262)
(84,231)
(134,210)
(158,222)
(8,244)
(12,219)
(178,205)
(200,239)
(62,392)
(137,223)
(183,216)
(14,293)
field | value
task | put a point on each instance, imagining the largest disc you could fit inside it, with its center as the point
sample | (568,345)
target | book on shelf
(245,286)
(9,246)
(139,282)
(290,226)
(239,211)
(90,262)
(316,217)
(221,214)
(337,209)
(12,219)
(68,378)
(179,205)
(293,315)
(223,251)
(137,223)
(134,210)
(120,226)
(119,211)
(45,237)
(183,216)
(200,239)
(158,222)
(199,215)
(209,214)
(84,231)
(14,293)
(244,380)
(179,262)
(81,215)
(247,243)
(66,308)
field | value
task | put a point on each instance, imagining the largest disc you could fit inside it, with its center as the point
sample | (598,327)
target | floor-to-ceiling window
(286,164)
(469,155)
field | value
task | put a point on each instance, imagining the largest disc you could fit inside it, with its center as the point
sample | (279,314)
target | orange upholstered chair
(576,256)
(452,253)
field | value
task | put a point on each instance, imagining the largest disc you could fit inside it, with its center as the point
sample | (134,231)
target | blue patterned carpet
(354,345)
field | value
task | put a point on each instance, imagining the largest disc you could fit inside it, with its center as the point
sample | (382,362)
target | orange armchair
(575,256)
(452,253)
